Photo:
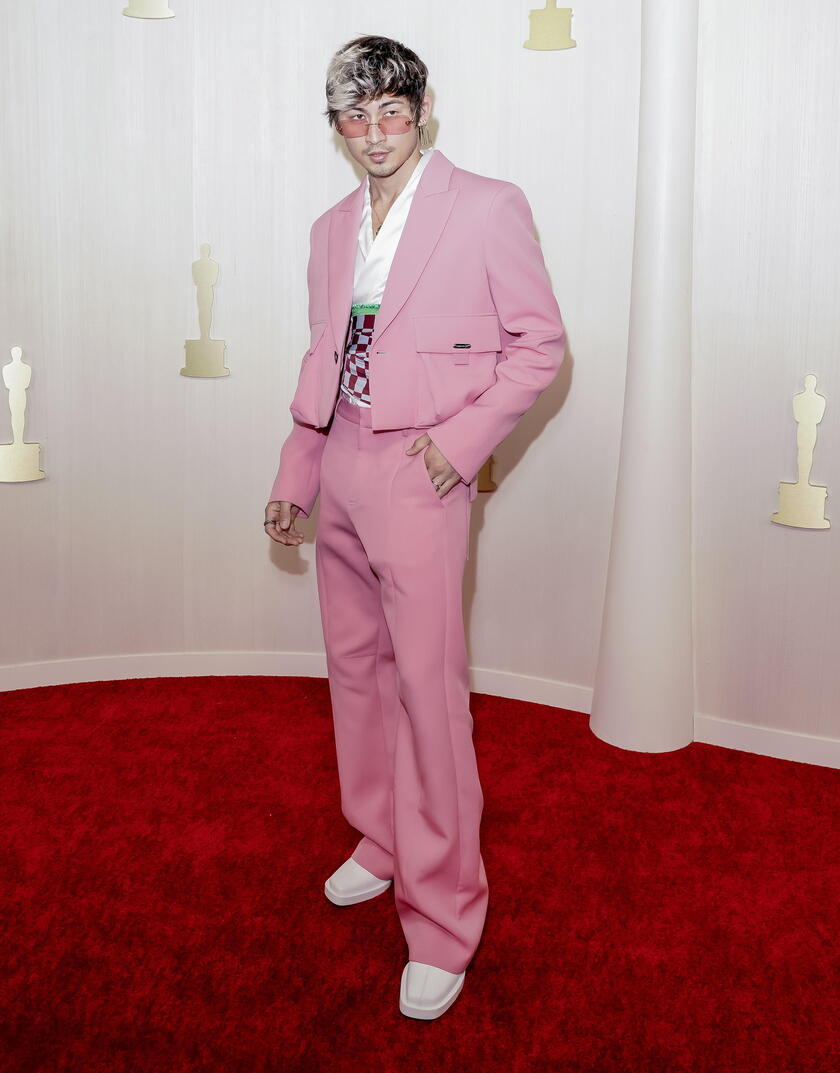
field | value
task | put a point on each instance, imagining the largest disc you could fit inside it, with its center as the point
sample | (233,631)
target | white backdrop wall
(128,143)
(766,313)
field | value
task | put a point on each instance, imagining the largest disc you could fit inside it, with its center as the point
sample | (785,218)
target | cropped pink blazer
(468,332)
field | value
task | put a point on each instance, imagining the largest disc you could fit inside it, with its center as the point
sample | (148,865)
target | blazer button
(335,355)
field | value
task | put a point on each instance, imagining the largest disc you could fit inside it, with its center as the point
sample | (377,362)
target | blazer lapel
(430,207)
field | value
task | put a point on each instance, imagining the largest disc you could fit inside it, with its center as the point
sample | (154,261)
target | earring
(425,141)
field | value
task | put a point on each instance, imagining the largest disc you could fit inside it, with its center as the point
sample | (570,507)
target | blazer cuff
(460,449)
(298,478)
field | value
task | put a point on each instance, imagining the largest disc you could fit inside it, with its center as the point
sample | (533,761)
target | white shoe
(427,991)
(351,883)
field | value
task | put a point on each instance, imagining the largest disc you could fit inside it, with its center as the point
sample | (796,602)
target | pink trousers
(390,556)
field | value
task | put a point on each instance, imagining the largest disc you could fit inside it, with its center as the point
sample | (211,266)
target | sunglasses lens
(394,124)
(391,124)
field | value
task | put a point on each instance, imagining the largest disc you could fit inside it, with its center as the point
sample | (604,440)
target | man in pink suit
(453,333)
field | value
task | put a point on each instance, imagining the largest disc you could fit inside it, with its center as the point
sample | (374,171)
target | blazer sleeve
(527,308)
(298,478)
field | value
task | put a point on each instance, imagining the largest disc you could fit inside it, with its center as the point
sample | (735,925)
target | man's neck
(384,190)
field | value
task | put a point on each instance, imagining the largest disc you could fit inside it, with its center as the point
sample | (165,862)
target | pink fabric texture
(390,557)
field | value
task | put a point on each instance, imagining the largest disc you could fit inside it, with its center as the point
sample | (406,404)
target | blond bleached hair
(369,67)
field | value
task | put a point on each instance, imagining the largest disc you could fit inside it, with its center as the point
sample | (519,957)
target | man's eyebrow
(357,108)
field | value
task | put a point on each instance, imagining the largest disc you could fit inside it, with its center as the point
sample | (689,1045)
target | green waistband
(363,307)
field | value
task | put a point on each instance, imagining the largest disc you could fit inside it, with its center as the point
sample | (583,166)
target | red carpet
(165,847)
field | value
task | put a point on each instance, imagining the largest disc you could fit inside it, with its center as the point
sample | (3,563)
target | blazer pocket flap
(457,333)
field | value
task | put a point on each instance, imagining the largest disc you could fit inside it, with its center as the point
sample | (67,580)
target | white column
(644,688)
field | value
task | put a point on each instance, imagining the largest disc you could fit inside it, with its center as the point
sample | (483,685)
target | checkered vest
(355,382)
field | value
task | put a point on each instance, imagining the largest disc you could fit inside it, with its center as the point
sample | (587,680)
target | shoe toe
(427,991)
(351,882)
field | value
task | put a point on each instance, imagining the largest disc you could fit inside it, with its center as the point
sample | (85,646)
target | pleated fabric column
(644,686)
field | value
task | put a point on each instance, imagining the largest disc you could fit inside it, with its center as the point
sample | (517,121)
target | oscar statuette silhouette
(802,504)
(19,461)
(205,356)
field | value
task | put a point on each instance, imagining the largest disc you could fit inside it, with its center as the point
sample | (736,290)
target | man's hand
(439,470)
(282,514)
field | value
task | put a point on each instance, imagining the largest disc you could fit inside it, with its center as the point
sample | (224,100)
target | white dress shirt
(374,255)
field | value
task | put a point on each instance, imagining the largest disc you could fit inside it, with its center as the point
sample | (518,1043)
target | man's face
(380,153)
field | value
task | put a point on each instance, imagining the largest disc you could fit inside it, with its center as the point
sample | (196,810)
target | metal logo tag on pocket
(462,344)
